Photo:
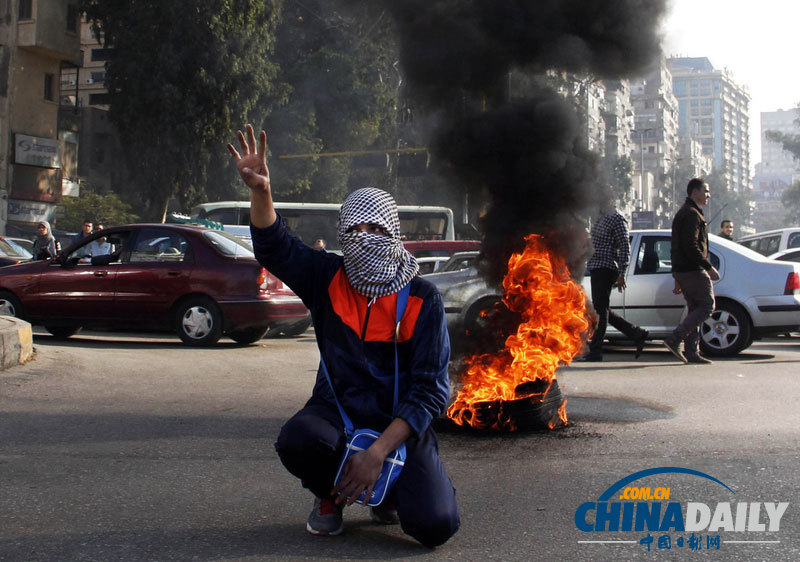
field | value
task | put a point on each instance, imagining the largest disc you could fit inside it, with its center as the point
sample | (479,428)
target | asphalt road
(128,447)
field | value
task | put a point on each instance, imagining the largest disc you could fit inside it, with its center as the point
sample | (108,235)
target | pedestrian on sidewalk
(353,300)
(692,271)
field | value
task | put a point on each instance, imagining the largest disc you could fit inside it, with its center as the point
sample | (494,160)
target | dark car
(199,282)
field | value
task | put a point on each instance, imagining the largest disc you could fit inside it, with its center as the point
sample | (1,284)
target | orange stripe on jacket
(351,307)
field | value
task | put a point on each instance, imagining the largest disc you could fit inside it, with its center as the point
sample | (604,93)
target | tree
(791,200)
(337,58)
(620,171)
(182,77)
(107,209)
(726,203)
(791,197)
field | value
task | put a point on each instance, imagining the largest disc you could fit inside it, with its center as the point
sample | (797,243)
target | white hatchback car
(755,296)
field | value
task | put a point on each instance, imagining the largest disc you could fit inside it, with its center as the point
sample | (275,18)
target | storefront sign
(642,220)
(30,211)
(70,188)
(36,151)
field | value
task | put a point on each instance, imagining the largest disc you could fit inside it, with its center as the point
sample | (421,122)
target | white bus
(309,221)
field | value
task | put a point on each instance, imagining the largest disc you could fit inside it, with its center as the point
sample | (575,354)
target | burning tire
(727,332)
(537,410)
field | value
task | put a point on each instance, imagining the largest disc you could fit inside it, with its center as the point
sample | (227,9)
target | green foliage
(791,201)
(337,60)
(726,203)
(621,179)
(791,143)
(107,209)
(791,197)
(183,77)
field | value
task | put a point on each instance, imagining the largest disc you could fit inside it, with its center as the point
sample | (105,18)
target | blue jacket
(355,336)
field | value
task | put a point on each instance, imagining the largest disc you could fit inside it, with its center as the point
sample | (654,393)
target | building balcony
(46,33)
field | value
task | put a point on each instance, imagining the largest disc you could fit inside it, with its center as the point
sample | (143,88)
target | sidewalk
(16,342)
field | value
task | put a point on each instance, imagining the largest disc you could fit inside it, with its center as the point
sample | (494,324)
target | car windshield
(13,250)
(229,245)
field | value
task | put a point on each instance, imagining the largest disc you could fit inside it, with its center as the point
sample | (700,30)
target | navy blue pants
(311,445)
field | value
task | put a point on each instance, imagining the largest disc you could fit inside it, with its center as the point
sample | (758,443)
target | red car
(199,282)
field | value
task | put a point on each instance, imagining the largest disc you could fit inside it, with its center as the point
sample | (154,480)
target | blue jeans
(311,444)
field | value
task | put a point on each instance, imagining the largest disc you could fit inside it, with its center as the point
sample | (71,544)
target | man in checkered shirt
(612,251)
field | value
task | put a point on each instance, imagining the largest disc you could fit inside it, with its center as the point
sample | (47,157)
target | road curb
(16,342)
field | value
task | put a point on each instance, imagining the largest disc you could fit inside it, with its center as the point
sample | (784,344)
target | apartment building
(38,40)
(618,119)
(656,140)
(85,96)
(775,161)
(714,110)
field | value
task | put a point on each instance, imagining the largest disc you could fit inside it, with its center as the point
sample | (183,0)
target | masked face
(375,260)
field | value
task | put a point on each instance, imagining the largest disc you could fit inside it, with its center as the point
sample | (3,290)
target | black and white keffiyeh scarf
(376,265)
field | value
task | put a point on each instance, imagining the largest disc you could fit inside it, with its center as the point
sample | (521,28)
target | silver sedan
(755,296)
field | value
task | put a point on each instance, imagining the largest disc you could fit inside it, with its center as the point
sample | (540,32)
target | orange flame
(553,311)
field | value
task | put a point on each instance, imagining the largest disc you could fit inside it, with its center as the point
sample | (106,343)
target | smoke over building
(529,155)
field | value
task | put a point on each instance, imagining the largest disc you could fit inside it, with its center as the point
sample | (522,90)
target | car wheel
(248,336)
(297,329)
(10,305)
(63,331)
(477,319)
(199,322)
(726,332)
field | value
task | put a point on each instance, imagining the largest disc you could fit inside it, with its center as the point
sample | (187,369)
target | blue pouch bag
(360,440)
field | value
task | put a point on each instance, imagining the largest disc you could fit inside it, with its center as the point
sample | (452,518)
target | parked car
(771,241)
(431,264)
(460,260)
(755,296)
(11,253)
(22,243)
(199,282)
(440,248)
(786,255)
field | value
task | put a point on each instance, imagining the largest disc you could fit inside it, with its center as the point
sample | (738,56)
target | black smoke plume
(528,154)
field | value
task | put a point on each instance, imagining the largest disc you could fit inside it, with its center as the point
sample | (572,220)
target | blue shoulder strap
(402,301)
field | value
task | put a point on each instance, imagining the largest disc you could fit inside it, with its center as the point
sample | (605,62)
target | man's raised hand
(252,162)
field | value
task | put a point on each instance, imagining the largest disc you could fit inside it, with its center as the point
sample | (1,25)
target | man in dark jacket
(692,271)
(353,300)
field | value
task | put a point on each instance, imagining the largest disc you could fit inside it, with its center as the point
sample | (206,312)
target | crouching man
(353,300)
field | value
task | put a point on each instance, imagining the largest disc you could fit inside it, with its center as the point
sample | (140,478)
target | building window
(99,99)
(72,18)
(101,54)
(98,77)
(49,86)
(25,10)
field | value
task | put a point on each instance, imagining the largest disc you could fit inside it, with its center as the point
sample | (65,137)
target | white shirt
(95,248)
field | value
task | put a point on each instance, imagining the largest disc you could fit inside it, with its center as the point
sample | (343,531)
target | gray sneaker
(385,514)
(325,518)
(674,347)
